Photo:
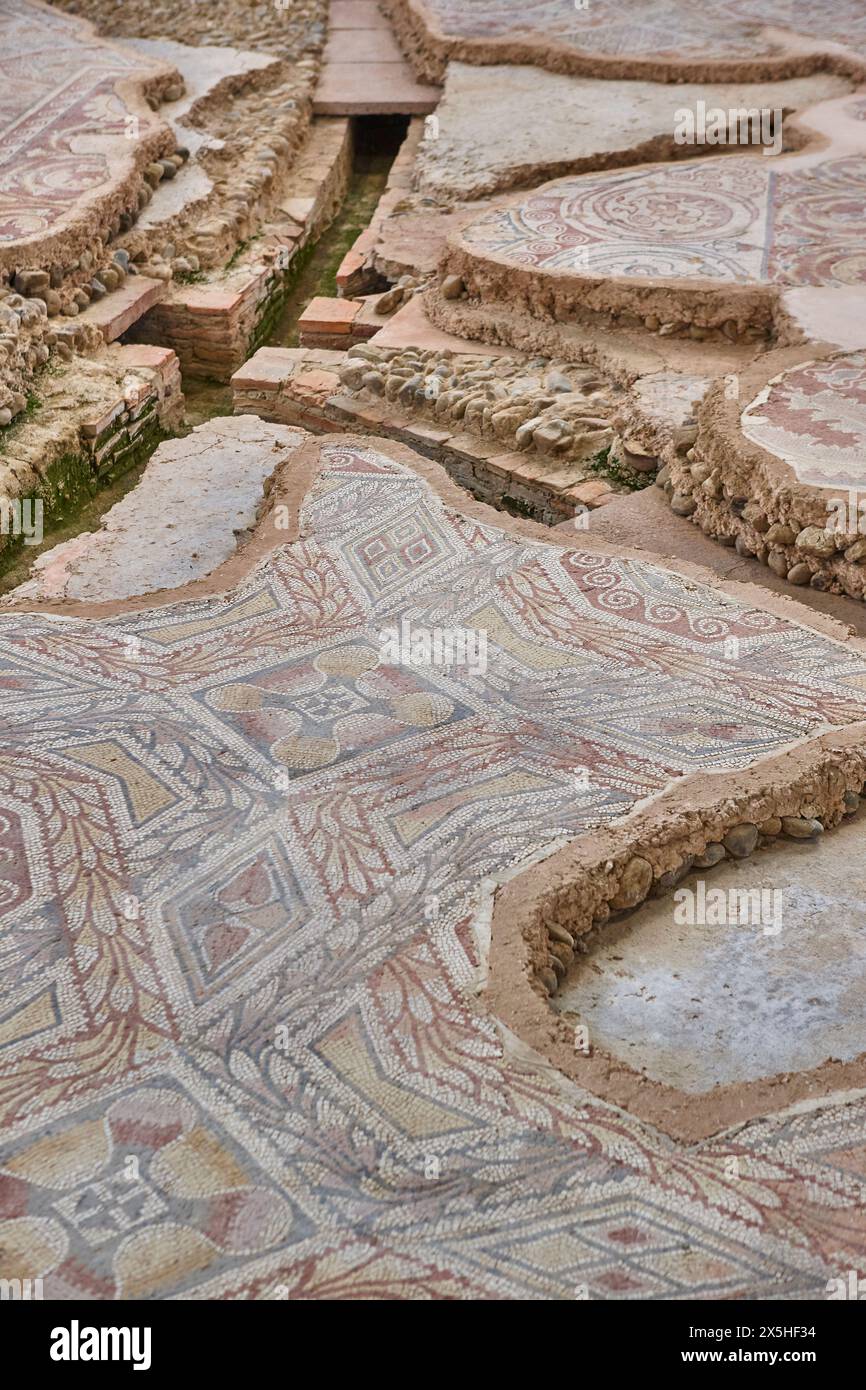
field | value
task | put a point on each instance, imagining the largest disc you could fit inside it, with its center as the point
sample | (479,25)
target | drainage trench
(376,142)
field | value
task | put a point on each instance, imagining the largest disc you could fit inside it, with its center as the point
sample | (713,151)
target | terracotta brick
(559,479)
(469,446)
(356,412)
(315,382)
(329,316)
(589,492)
(207,299)
(519,465)
(95,425)
(410,327)
(366,88)
(368,321)
(119,310)
(420,430)
(266,370)
(299,210)
(351,264)
(136,390)
(147,355)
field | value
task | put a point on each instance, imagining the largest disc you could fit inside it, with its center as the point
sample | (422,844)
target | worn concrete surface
(696,1005)
(828,314)
(197,497)
(203,70)
(480,143)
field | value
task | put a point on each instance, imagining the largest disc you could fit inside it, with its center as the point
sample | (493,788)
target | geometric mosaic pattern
(241,1048)
(813,417)
(664,28)
(727,219)
(62,123)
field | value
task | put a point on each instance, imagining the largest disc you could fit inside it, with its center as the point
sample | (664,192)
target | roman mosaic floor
(787,221)
(246,1049)
(814,418)
(671,29)
(350,760)
(70,119)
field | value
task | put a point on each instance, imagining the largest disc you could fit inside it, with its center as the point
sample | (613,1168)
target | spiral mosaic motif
(241,1051)
(727,219)
(62,124)
(817,229)
(678,221)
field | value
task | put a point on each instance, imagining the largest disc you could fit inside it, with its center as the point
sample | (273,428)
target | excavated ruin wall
(741,495)
(545,915)
(671,307)
(215,327)
(61,252)
(61,457)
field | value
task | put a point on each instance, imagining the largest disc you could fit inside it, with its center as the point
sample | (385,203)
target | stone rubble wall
(743,497)
(97,418)
(215,325)
(261,120)
(387,393)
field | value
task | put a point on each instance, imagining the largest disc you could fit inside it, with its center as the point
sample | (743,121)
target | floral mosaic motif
(60,116)
(814,418)
(136,1199)
(664,28)
(727,219)
(673,221)
(242,1053)
(817,225)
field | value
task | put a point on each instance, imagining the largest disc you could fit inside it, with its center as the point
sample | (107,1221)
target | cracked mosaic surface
(242,1050)
(729,219)
(814,419)
(63,125)
(663,28)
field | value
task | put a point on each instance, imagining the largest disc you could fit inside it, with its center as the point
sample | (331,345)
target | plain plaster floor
(697,1005)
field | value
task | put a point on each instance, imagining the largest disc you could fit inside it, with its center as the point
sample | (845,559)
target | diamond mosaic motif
(250,1009)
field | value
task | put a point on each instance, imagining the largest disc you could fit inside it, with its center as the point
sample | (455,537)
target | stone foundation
(122,406)
(323,390)
(741,495)
(214,326)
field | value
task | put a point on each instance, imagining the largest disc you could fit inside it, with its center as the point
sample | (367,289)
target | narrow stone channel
(377,140)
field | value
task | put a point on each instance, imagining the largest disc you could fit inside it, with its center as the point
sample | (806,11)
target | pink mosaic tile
(242,856)
(729,219)
(814,418)
(63,123)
